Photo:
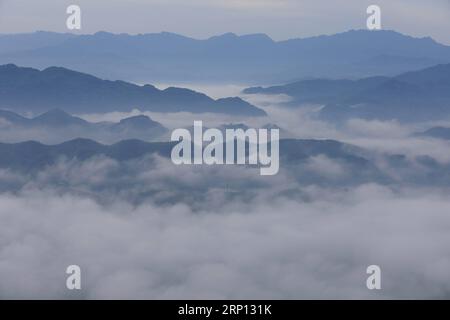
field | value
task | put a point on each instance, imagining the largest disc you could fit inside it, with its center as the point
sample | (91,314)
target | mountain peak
(103,34)
(245,37)
(54,69)
(228,35)
(138,121)
(225,36)
(57,117)
(257,36)
(9,66)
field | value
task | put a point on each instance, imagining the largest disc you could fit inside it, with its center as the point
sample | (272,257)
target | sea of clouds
(147,229)
(280,248)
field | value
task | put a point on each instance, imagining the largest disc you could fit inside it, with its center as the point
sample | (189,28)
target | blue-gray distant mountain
(436,132)
(300,159)
(252,58)
(32,90)
(413,96)
(32,156)
(56,126)
(137,171)
(284,134)
(58,118)
(10,43)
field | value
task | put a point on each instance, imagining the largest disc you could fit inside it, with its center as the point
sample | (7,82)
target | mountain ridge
(227,57)
(32,90)
(57,126)
(420,95)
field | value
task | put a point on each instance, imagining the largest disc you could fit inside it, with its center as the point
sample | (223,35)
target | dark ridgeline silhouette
(28,89)
(58,126)
(421,95)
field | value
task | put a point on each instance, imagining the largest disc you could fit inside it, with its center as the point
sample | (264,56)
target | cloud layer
(281,249)
(148,229)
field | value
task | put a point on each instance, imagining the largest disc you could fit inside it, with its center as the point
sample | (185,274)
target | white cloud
(281,249)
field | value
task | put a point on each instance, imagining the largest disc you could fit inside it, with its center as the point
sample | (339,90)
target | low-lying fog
(278,238)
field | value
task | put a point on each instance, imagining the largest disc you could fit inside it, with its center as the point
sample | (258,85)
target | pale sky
(280,19)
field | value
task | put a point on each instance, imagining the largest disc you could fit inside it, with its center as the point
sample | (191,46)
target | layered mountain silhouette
(436,132)
(303,160)
(56,126)
(31,90)
(138,171)
(249,58)
(32,155)
(413,96)
(233,126)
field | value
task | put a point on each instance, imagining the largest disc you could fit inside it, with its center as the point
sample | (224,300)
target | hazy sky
(280,19)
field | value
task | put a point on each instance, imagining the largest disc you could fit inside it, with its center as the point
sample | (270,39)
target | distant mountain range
(138,171)
(284,134)
(31,90)
(436,132)
(56,126)
(413,96)
(32,155)
(302,160)
(254,58)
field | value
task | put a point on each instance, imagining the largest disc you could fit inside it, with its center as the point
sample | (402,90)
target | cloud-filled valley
(141,228)
(86,175)
(281,249)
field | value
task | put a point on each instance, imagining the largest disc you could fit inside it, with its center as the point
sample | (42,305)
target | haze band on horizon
(235,147)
